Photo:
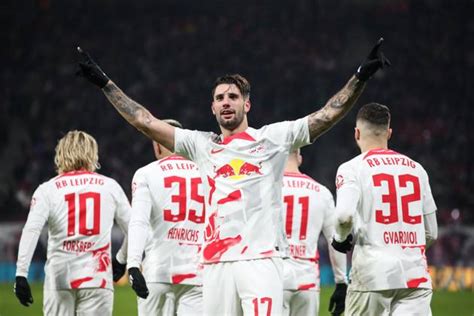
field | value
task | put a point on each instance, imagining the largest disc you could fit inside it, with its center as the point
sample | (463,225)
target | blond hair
(75,151)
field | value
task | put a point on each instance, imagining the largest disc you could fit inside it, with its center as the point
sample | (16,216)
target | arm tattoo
(134,113)
(335,109)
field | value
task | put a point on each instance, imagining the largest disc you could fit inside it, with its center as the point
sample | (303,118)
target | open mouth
(227,114)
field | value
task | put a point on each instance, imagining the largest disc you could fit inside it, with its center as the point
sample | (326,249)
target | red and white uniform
(168,223)
(80,208)
(391,199)
(309,210)
(243,175)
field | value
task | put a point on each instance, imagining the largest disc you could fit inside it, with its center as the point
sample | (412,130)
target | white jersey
(309,209)
(80,208)
(167,221)
(393,194)
(243,175)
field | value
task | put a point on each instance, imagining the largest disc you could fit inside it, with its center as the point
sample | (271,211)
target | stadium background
(296,54)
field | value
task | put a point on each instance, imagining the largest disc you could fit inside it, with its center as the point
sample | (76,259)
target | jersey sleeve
(348,195)
(37,217)
(187,142)
(338,260)
(122,217)
(139,222)
(293,134)
(429,205)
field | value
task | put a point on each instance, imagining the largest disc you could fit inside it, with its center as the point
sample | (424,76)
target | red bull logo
(237,169)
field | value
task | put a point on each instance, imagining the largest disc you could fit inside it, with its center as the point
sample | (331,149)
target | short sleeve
(293,134)
(187,143)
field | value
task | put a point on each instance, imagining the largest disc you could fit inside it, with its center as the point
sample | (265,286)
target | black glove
(22,291)
(138,282)
(374,62)
(344,246)
(118,269)
(338,298)
(89,69)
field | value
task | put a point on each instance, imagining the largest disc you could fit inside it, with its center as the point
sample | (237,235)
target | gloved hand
(22,291)
(118,269)
(338,298)
(375,61)
(138,282)
(89,69)
(343,246)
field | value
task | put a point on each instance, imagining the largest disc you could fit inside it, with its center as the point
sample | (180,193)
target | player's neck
(164,154)
(372,144)
(292,166)
(241,128)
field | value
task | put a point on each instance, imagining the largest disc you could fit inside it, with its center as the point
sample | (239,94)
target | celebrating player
(242,171)
(168,199)
(79,206)
(385,198)
(309,210)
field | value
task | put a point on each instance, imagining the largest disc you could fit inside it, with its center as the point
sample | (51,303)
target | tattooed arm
(138,116)
(134,113)
(335,109)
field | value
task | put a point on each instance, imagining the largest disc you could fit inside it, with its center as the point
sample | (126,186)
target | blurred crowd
(296,54)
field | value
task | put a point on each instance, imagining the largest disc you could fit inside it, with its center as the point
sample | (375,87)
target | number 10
(71,219)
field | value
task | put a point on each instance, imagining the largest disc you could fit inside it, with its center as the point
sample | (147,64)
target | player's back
(176,220)
(307,204)
(389,226)
(80,207)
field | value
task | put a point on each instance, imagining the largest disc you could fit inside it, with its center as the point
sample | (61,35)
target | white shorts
(171,299)
(247,287)
(403,302)
(297,302)
(78,302)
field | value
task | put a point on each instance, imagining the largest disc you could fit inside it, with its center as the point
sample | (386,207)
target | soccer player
(168,200)
(79,206)
(309,209)
(384,197)
(242,170)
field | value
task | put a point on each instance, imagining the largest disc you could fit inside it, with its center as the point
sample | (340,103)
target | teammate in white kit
(309,209)
(385,198)
(79,206)
(242,170)
(168,215)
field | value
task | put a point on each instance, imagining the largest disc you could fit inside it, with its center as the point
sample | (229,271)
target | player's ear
(156,150)
(389,134)
(212,108)
(356,134)
(247,105)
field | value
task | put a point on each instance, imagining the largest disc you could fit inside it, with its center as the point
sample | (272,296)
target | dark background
(296,54)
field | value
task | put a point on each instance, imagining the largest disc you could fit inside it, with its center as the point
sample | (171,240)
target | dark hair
(242,84)
(374,113)
(174,123)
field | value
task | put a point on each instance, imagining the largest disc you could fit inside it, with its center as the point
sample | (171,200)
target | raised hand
(375,61)
(90,70)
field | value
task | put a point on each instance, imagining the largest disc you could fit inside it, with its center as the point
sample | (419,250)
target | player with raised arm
(242,171)
(79,207)
(309,209)
(167,200)
(384,197)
